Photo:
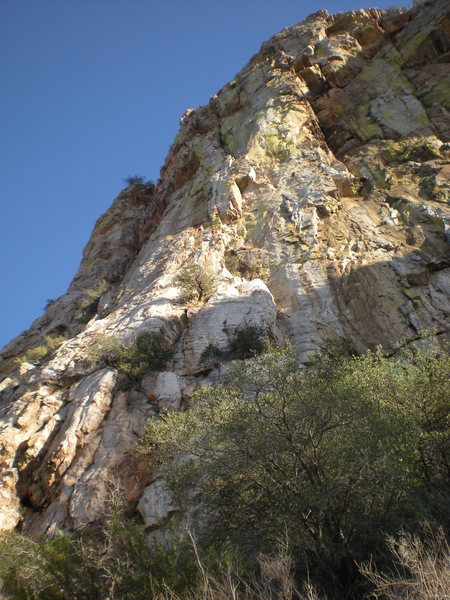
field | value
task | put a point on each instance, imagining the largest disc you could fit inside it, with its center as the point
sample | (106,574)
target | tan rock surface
(313,189)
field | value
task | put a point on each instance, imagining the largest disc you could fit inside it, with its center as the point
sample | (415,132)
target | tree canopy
(333,456)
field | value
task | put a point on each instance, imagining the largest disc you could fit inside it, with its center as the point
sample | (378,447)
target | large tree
(333,455)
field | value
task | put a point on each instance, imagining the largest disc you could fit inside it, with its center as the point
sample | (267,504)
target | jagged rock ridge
(313,187)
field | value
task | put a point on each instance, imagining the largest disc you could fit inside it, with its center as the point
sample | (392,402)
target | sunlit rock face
(313,192)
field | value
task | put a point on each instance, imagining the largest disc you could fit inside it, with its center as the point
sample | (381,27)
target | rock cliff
(312,191)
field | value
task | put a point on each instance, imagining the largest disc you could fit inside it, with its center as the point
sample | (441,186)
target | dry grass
(422,568)
(422,573)
(276,583)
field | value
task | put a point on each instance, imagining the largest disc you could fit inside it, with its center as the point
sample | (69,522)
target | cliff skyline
(94,94)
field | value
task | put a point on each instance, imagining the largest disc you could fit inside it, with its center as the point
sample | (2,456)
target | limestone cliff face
(314,190)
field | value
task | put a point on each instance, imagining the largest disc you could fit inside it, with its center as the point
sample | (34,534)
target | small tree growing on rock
(89,303)
(132,179)
(196,283)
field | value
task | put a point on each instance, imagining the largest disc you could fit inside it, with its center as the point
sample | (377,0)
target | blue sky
(92,92)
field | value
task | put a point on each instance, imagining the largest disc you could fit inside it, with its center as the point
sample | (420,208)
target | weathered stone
(235,305)
(313,189)
(165,389)
(156,504)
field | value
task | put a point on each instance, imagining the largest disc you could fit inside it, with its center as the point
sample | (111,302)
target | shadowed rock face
(313,189)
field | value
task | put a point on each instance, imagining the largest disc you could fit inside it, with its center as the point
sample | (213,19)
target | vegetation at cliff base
(333,457)
(288,480)
(112,561)
(116,562)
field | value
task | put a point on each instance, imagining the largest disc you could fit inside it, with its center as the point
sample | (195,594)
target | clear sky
(92,92)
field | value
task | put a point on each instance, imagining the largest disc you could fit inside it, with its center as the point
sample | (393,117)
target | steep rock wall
(314,190)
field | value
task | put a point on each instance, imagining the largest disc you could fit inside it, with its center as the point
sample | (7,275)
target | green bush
(196,284)
(247,341)
(146,354)
(212,356)
(41,354)
(115,561)
(248,265)
(332,456)
(151,345)
(89,303)
(233,263)
(133,179)
(48,303)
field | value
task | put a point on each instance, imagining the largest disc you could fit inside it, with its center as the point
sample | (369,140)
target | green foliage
(212,356)
(247,341)
(89,303)
(409,149)
(41,354)
(248,265)
(148,353)
(114,562)
(333,455)
(196,283)
(233,263)
(215,220)
(133,179)
(48,303)
(157,353)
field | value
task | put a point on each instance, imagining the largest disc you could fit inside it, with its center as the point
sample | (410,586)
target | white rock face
(156,504)
(233,306)
(315,219)
(165,389)
(123,426)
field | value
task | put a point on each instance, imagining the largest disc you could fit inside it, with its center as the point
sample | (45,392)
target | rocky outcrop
(313,191)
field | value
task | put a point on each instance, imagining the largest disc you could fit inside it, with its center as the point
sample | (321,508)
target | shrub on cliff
(333,455)
(196,283)
(156,352)
(41,354)
(90,300)
(133,179)
(147,353)
(212,356)
(112,561)
(247,341)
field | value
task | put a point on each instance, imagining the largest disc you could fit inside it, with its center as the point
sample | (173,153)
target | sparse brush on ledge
(41,354)
(146,354)
(89,303)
